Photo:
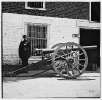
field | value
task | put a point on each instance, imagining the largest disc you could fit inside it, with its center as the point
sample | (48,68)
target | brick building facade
(61,19)
(73,10)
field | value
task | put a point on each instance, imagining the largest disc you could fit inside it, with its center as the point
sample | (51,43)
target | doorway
(89,37)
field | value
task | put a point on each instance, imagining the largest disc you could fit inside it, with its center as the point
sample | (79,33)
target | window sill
(35,8)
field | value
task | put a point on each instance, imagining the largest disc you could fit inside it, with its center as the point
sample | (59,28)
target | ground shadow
(48,74)
(20,78)
(76,79)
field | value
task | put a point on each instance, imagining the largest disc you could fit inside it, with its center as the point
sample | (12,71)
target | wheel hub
(70,61)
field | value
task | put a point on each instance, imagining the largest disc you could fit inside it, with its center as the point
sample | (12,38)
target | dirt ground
(49,85)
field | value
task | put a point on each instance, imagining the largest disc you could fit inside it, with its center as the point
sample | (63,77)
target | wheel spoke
(72,71)
(63,69)
(78,70)
(79,64)
(57,65)
(68,50)
(62,51)
(71,48)
(80,54)
(81,59)
(68,73)
(60,58)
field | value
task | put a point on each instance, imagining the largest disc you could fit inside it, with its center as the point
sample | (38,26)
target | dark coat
(24,50)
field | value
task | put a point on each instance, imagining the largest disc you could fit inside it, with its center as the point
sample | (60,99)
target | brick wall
(59,30)
(74,10)
(12,32)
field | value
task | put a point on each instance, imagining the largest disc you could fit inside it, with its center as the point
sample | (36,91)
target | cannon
(68,60)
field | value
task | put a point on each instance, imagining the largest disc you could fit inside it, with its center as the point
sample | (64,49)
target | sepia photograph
(50,49)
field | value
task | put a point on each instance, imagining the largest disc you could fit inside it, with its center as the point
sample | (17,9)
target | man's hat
(24,36)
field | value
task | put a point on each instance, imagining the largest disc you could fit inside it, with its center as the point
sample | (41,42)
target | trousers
(24,62)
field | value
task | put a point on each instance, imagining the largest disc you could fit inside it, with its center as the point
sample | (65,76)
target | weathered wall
(13,28)
(60,30)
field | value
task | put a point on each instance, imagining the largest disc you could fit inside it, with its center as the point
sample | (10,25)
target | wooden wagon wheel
(69,60)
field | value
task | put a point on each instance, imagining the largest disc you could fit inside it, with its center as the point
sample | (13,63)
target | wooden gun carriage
(68,60)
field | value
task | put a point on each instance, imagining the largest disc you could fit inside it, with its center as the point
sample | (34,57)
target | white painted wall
(60,30)
(13,28)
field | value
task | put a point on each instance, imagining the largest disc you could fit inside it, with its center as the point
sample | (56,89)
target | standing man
(24,51)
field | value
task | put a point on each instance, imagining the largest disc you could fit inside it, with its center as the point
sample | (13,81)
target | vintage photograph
(50,49)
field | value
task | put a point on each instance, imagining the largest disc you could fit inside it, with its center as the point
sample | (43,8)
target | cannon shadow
(48,74)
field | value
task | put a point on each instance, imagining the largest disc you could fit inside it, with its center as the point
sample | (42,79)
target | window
(37,35)
(35,5)
(95,11)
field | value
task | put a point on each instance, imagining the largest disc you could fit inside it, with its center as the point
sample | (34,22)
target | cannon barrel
(47,51)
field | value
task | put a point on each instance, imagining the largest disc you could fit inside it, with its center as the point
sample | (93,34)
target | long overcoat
(24,50)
